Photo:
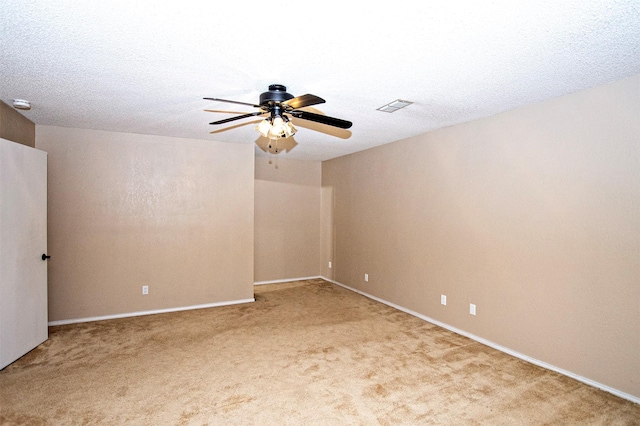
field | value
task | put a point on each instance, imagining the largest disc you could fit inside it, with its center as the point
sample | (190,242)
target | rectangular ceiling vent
(394,106)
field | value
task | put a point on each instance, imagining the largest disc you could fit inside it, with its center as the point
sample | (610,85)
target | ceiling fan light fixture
(277,128)
(290,129)
(278,124)
(264,127)
(394,106)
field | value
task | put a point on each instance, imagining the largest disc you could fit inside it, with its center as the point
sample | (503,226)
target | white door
(23,241)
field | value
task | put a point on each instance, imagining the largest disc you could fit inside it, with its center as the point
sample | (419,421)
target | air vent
(394,106)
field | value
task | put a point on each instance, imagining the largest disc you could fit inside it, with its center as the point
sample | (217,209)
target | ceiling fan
(279,105)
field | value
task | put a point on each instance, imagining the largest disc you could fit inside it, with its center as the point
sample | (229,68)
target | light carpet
(305,353)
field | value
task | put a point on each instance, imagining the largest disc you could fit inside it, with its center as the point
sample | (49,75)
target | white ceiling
(144,66)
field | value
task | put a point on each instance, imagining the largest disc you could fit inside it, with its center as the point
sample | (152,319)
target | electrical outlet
(443,299)
(472,309)
(329,265)
(366,277)
(145,289)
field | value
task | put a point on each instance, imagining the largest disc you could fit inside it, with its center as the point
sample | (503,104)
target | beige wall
(16,127)
(287,219)
(128,210)
(533,215)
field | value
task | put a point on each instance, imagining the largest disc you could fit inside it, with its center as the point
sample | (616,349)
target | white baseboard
(504,349)
(157,311)
(287,280)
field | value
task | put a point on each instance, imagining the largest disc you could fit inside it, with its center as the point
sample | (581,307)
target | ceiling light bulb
(289,129)
(263,128)
(278,124)
(277,128)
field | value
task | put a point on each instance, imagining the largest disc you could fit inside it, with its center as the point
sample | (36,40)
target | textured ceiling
(144,66)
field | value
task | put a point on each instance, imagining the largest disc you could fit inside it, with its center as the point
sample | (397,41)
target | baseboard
(287,280)
(504,349)
(153,312)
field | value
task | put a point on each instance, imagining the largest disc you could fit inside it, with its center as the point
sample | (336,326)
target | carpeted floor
(304,353)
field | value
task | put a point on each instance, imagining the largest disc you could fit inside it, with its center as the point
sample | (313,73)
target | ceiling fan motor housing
(277,93)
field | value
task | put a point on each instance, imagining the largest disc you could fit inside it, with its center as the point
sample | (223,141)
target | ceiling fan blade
(304,101)
(231,102)
(323,119)
(227,120)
